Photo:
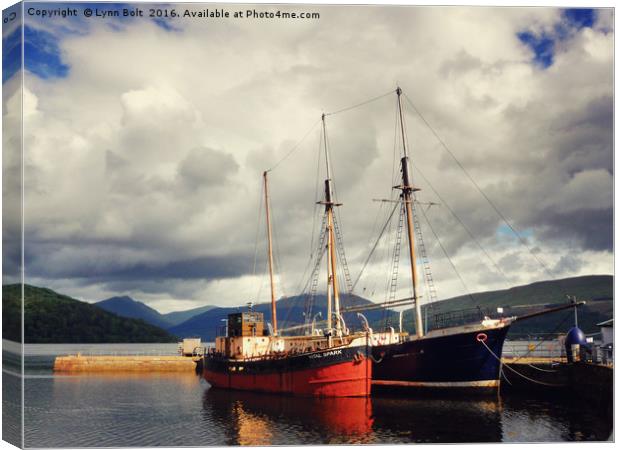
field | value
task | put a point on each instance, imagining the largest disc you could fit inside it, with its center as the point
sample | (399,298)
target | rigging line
(477,186)
(375,222)
(394,158)
(349,108)
(471,235)
(561,323)
(447,256)
(277,259)
(303,275)
(316,194)
(258,222)
(370,236)
(320,251)
(262,281)
(315,214)
(294,148)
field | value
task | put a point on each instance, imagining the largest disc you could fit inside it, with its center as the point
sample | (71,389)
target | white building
(607,331)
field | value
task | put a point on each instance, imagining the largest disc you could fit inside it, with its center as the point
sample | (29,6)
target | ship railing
(548,348)
(459,317)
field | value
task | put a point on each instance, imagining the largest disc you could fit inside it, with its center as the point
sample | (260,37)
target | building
(607,331)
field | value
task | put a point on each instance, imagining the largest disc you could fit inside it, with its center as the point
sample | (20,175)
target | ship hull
(338,372)
(458,361)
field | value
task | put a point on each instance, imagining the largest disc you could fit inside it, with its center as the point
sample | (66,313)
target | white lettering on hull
(325,354)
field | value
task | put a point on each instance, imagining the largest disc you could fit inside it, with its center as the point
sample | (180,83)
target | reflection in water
(185,380)
(131,409)
(329,420)
(251,429)
(449,420)
(553,418)
(120,410)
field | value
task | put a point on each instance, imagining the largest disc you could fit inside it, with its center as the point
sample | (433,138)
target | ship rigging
(445,355)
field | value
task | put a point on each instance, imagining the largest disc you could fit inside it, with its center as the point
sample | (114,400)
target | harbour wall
(108,363)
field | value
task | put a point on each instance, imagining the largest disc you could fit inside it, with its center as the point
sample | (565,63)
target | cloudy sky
(145,141)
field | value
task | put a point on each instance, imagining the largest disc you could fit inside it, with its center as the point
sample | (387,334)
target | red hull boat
(343,371)
(327,363)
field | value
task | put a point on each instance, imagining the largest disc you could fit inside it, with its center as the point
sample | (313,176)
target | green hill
(596,290)
(50,317)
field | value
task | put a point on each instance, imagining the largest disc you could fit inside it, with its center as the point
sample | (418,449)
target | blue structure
(574,337)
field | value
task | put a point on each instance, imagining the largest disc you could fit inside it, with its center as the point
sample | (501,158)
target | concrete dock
(109,363)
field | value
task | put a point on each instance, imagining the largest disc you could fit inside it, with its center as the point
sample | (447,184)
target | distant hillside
(177,317)
(597,290)
(290,313)
(128,307)
(50,317)
(519,300)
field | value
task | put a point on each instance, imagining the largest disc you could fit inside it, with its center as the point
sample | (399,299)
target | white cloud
(148,155)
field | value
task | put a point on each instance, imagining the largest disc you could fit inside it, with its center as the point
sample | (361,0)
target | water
(151,409)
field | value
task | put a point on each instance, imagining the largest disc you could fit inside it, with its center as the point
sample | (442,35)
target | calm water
(181,410)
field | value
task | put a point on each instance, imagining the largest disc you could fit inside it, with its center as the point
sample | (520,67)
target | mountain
(50,317)
(290,313)
(125,306)
(519,300)
(128,307)
(177,317)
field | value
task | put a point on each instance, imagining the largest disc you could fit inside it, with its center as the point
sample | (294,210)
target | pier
(126,363)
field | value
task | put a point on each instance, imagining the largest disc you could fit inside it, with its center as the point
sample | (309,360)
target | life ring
(481,337)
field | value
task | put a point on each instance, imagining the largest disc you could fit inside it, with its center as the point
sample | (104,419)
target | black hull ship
(455,359)
(335,362)
(449,357)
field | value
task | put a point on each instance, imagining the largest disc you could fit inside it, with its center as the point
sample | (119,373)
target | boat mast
(407,189)
(332,278)
(274,319)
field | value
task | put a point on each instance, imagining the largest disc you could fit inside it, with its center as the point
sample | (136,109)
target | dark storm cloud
(586,229)
(206,267)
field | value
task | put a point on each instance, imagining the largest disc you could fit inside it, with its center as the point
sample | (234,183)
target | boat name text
(326,354)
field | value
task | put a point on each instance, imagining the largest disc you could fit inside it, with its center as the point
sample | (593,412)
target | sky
(145,141)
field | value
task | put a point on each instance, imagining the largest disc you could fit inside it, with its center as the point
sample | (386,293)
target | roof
(607,323)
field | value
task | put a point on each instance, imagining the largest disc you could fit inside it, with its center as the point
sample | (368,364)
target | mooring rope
(541,369)
(517,373)
(501,372)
